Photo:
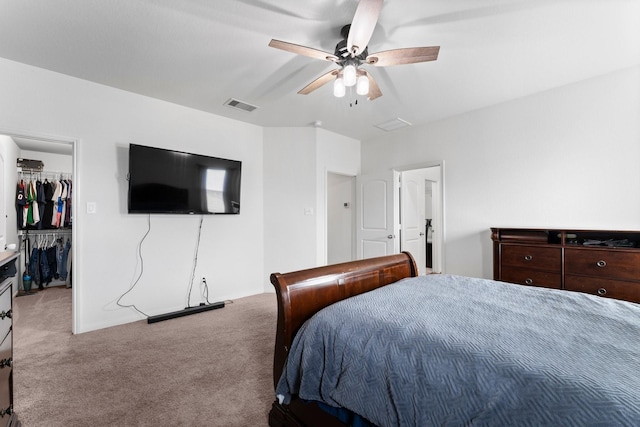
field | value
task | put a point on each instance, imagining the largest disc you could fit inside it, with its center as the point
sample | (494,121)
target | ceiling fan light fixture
(339,89)
(349,75)
(362,85)
(353,51)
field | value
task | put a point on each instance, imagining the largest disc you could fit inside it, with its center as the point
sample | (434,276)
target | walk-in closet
(44,222)
(38,190)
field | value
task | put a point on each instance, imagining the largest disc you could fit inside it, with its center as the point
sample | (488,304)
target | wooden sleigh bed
(605,384)
(303,293)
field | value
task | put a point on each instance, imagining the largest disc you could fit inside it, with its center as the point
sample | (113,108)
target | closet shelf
(46,231)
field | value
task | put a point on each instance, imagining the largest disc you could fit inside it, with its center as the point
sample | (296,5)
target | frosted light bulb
(362,87)
(338,88)
(349,75)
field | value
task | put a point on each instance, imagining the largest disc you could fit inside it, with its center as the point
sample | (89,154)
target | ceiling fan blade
(303,50)
(409,55)
(320,81)
(374,89)
(362,26)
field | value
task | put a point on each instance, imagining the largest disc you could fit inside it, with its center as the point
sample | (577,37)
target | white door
(377,213)
(437,230)
(412,218)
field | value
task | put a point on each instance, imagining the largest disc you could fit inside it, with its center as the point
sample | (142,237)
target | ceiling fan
(352,52)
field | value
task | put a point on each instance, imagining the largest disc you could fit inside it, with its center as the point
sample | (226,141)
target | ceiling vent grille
(394,124)
(239,105)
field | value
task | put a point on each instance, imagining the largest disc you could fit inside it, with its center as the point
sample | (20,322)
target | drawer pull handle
(602,263)
(7,411)
(528,281)
(528,257)
(5,314)
(6,363)
(602,292)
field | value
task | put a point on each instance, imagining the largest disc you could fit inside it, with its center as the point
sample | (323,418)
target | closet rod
(46,231)
(46,173)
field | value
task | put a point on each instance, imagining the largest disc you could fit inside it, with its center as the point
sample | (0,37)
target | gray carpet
(208,369)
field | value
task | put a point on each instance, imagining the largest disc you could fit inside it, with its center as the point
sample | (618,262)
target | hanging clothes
(62,252)
(49,259)
(69,282)
(43,204)
(57,204)
(46,275)
(47,211)
(40,202)
(67,221)
(21,205)
(34,267)
(52,261)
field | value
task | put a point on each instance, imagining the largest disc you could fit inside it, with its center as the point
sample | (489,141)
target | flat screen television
(165,181)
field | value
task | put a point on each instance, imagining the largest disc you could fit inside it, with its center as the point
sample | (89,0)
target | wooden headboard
(302,293)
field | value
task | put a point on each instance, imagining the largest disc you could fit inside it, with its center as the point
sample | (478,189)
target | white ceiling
(200,53)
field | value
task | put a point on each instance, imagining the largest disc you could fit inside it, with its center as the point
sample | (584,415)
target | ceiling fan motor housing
(343,53)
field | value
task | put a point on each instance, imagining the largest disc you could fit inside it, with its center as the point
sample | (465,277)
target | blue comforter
(453,351)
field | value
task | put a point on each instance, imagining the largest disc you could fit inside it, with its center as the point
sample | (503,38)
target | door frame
(77,254)
(441,225)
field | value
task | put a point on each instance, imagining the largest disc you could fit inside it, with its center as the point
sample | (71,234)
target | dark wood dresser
(7,280)
(599,262)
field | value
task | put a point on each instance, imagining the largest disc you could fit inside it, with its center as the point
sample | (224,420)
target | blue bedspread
(456,351)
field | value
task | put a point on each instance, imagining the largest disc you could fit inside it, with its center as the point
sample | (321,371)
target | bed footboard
(301,294)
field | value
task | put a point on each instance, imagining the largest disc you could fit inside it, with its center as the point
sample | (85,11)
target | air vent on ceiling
(393,125)
(239,105)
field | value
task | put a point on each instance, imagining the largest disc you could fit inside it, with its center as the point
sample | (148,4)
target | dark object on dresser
(599,262)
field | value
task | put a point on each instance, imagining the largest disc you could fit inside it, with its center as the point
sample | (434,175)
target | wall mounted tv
(174,182)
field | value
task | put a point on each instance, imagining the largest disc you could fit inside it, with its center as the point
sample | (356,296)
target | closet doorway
(340,218)
(54,161)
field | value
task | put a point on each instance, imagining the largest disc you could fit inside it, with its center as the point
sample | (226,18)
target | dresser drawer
(524,256)
(618,289)
(5,378)
(5,307)
(5,402)
(603,263)
(6,357)
(531,277)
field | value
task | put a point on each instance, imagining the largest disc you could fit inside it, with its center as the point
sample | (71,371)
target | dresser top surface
(6,256)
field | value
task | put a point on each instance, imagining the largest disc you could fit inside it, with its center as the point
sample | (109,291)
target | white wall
(562,158)
(104,121)
(8,225)
(296,161)
(337,154)
(289,200)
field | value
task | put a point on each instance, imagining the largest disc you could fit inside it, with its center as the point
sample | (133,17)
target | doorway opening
(422,216)
(340,218)
(393,209)
(59,163)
